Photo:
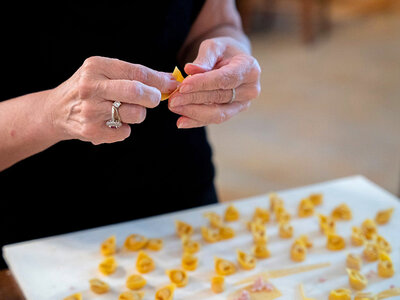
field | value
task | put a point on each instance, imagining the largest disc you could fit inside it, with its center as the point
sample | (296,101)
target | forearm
(23,129)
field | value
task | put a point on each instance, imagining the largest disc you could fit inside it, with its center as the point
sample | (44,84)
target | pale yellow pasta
(109,246)
(165,293)
(98,286)
(218,284)
(335,242)
(155,244)
(226,233)
(190,246)
(371,252)
(306,208)
(340,294)
(178,277)
(357,280)
(285,230)
(108,265)
(357,237)
(183,229)
(231,214)
(353,261)
(135,242)
(245,260)
(76,296)
(135,282)
(210,235)
(304,238)
(261,214)
(189,262)
(260,251)
(274,201)
(369,229)
(224,267)
(383,244)
(298,251)
(342,213)
(144,263)
(382,217)
(214,219)
(128,295)
(365,296)
(385,265)
(316,198)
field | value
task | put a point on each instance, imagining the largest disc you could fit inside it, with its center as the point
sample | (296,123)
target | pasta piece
(190,246)
(260,237)
(224,267)
(369,229)
(306,208)
(155,244)
(210,235)
(135,242)
(231,214)
(226,233)
(214,219)
(218,284)
(144,263)
(303,294)
(178,77)
(282,215)
(285,230)
(108,265)
(385,265)
(246,261)
(298,251)
(261,214)
(382,217)
(77,296)
(357,237)
(342,213)
(260,251)
(189,262)
(383,244)
(365,296)
(326,224)
(335,242)
(178,277)
(165,293)
(371,252)
(256,225)
(357,280)
(131,295)
(340,294)
(135,282)
(98,286)
(274,200)
(304,238)
(183,229)
(109,246)
(316,198)
(353,261)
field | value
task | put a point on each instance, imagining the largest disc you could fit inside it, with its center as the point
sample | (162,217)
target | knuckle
(91,62)
(85,85)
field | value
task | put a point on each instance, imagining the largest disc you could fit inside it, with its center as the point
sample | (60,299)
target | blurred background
(330,100)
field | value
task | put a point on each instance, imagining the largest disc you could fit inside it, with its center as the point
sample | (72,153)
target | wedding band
(233,96)
(115,121)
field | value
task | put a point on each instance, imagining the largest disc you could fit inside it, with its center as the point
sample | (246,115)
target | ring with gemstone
(115,121)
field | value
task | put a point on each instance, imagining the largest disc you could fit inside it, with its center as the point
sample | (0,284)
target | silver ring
(233,96)
(115,121)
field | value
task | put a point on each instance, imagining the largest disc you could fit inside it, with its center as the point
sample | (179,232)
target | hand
(80,107)
(204,97)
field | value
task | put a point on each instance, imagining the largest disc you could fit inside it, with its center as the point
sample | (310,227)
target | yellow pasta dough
(340,294)
(245,260)
(335,242)
(144,263)
(382,217)
(261,214)
(326,224)
(260,251)
(342,213)
(371,252)
(260,237)
(383,244)
(282,215)
(365,296)
(357,237)
(214,219)
(77,296)
(128,295)
(183,229)
(304,238)
(178,277)
(285,230)
(98,286)
(357,280)
(306,208)
(218,284)
(369,229)
(178,77)
(231,214)
(190,246)
(353,261)
(108,265)
(135,242)
(109,246)
(224,267)
(165,293)
(226,233)
(274,201)
(189,262)
(135,282)
(298,251)
(210,235)
(155,244)
(385,265)
(316,198)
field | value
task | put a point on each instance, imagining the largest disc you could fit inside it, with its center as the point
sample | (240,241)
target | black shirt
(75,185)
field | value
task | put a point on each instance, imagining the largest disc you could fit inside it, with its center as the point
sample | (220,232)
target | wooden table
(9,289)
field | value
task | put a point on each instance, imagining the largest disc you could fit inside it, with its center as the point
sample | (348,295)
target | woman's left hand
(206,96)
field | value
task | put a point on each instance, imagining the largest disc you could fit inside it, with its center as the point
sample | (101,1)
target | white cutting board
(53,268)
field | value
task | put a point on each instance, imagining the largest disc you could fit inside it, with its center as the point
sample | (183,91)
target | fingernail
(185,88)
(176,101)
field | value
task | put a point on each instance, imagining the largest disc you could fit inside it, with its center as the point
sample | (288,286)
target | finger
(128,91)
(242,93)
(241,69)
(209,53)
(186,123)
(211,113)
(112,135)
(129,113)
(113,68)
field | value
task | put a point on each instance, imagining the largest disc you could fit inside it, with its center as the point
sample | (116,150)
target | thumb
(209,53)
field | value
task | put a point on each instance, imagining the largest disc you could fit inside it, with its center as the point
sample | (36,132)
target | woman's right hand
(80,107)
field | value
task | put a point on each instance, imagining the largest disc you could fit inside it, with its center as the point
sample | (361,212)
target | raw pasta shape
(109,246)
(108,265)
(144,263)
(218,284)
(155,244)
(210,235)
(178,77)
(340,294)
(260,251)
(224,267)
(214,219)
(76,296)
(226,233)
(342,213)
(357,237)
(335,242)
(98,286)
(275,201)
(365,296)
(189,262)
(261,214)
(245,260)
(135,242)
(371,252)
(357,280)
(231,214)
(327,224)
(353,261)
(383,244)
(298,251)
(178,277)
(128,295)
(135,282)
(369,229)
(190,246)
(385,265)
(316,198)
(281,214)
(165,293)
(306,208)
(382,217)
(183,229)
(285,230)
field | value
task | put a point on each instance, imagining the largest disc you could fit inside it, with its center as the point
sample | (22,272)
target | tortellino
(77,296)
(340,294)
(342,212)
(224,267)
(178,277)
(326,224)
(316,198)
(135,242)
(383,244)
(306,208)
(98,286)
(304,238)
(214,219)
(218,284)
(357,237)
(226,233)
(131,295)
(144,263)
(135,282)
(298,251)
(385,265)
(165,293)
(335,242)
(190,246)
(183,228)
(155,244)
(365,296)
(109,246)
(382,217)
(260,251)
(189,262)
(371,252)
(210,235)
(285,230)
(357,280)
(231,214)
(282,215)
(245,260)
(260,237)
(261,214)
(369,229)
(274,201)
(354,262)
(108,265)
